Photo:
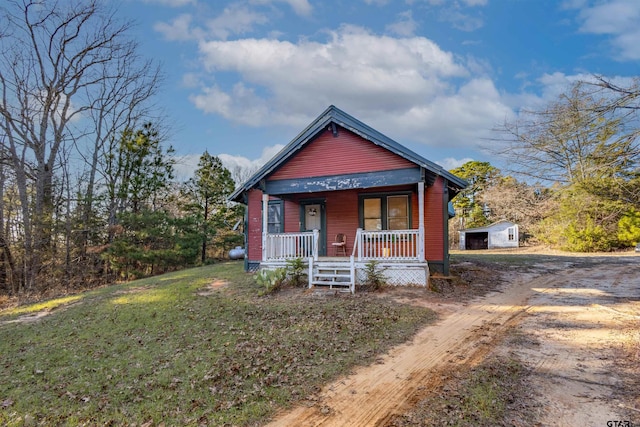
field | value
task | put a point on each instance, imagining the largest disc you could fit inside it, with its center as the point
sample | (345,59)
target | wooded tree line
(87,187)
(572,179)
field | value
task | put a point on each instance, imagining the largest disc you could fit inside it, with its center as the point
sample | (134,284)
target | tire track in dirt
(373,394)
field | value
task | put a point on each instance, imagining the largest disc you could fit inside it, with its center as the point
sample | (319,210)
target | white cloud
(442,2)
(179,29)
(618,19)
(458,13)
(542,91)
(452,163)
(172,3)
(461,119)
(235,19)
(555,84)
(191,80)
(231,161)
(241,105)
(242,168)
(408,87)
(184,166)
(404,26)
(353,68)
(300,7)
(611,17)
(239,165)
(460,20)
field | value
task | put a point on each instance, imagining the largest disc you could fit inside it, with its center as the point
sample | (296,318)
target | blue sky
(243,77)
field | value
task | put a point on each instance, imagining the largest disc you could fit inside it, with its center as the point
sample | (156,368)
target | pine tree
(207,193)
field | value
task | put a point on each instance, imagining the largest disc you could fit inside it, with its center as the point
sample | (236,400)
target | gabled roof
(339,117)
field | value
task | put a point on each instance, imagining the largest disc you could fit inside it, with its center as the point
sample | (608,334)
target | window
(511,233)
(373,214)
(397,213)
(385,212)
(274,217)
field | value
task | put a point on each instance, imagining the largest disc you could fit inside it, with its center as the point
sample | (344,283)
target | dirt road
(576,317)
(582,340)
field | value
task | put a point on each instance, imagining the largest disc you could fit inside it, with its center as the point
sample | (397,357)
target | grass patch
(488,395)
(504,259)
(155,351)
(41,306)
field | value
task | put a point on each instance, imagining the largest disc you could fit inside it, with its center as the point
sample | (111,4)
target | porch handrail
(283,246)
(387,245)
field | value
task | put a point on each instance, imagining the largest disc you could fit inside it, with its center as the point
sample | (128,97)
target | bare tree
(625,98)
(585,143)
(573,139)
(121,100)
(517,201)
(64,77)
(241,173)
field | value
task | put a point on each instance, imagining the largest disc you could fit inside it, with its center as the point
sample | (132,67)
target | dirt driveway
(574,321)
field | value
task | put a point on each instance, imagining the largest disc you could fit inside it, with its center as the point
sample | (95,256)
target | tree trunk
(205,231)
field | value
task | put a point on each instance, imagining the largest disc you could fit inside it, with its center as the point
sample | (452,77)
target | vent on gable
(334,130)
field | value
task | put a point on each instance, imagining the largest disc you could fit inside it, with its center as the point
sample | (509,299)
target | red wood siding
(434,221)
(345,154)
(291,217)
(341,211)
(342,217)
(254,225)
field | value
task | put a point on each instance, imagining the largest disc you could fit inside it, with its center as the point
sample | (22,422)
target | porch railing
(387,245)
(282,246)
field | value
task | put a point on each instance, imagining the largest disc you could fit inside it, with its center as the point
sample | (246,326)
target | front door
(313,218)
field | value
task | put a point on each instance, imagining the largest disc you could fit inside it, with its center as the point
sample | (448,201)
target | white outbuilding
(501,234)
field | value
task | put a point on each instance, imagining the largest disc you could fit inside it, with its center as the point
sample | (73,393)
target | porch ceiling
(343,182)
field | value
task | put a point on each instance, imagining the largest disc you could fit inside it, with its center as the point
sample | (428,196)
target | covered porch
(399,253)
(383,246)
(396,253)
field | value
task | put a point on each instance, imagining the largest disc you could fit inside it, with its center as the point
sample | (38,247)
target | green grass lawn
(160,350)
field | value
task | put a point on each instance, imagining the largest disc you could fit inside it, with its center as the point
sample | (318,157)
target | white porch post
(265,224)
(421,254)
(316,243)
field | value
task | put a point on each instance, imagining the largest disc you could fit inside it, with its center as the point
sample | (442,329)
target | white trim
(265,224)
(421,252)
(399,273)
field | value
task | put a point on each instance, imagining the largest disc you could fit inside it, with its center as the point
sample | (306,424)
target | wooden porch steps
(332,275)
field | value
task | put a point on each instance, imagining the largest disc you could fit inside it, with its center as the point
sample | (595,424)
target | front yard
(195,347)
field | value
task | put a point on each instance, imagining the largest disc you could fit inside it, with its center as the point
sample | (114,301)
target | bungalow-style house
(500,234)
(341,194)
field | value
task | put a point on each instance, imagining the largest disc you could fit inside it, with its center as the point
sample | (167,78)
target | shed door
(478,240)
